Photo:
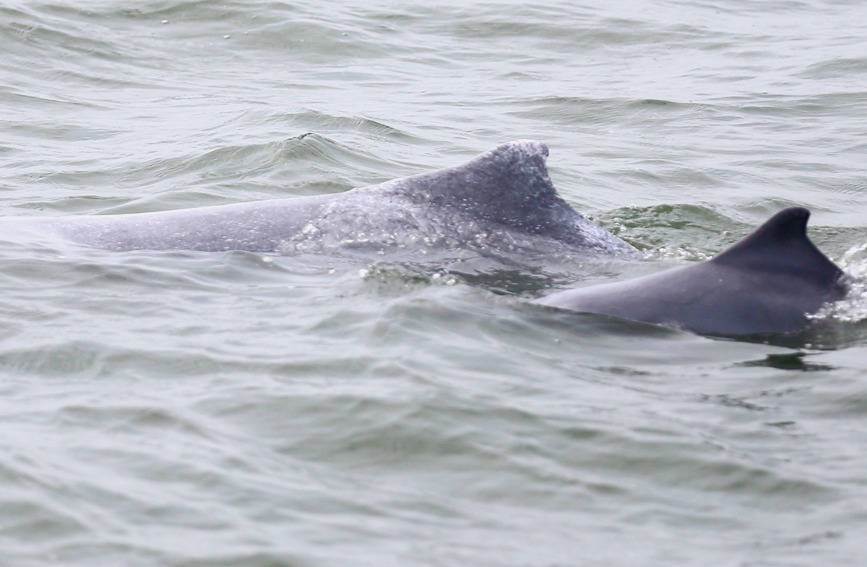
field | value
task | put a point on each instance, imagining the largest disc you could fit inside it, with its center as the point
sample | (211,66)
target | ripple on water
(194,409)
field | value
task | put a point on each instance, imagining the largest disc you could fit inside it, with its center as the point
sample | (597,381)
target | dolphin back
(500,202)
(767,283)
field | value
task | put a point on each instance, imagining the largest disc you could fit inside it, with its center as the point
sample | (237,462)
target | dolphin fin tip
(521,149)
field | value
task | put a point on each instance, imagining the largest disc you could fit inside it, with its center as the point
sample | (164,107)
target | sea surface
(223,409)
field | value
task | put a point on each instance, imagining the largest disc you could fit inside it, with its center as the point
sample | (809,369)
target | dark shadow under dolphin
(768,283)
(503,200)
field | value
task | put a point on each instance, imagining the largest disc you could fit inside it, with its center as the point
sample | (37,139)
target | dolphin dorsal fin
(508,184)
(508,188)
(514,171)
(782,245)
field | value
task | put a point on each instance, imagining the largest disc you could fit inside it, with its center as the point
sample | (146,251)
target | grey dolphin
(769,282)
(502,199)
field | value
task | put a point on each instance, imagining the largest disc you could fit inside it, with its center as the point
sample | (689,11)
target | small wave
(678,231)
(852,308)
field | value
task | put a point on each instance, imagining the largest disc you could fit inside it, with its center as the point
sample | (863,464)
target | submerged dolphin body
(503,199)
(769,282)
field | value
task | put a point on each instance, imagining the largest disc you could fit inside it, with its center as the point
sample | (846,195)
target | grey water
(192,408)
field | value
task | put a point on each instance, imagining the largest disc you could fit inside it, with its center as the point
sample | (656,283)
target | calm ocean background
(201,409)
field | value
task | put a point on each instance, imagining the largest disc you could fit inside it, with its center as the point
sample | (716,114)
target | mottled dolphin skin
(767,283)
(503,199)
